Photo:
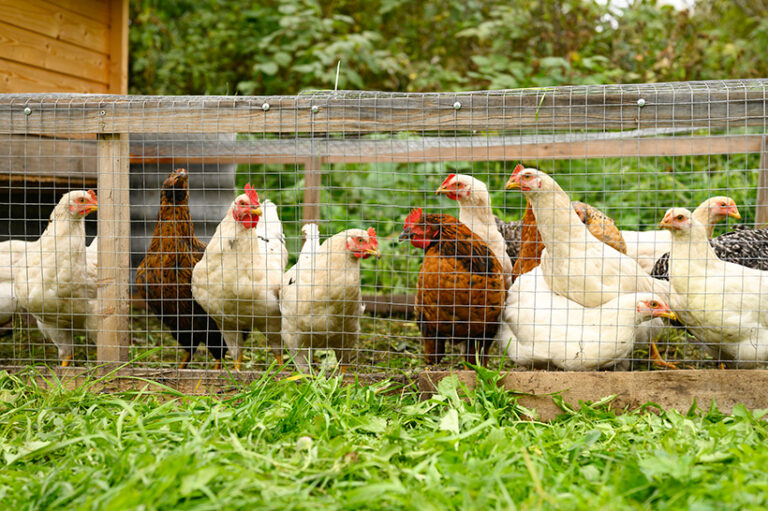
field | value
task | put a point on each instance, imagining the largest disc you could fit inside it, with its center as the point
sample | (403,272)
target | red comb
(518,169)
(413,217)
(372,237)
(447,179)
(252,195)
(92,194)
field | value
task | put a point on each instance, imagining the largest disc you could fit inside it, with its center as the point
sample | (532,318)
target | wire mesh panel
(381,232)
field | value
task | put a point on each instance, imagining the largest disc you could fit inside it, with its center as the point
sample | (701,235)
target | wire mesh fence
(306,230)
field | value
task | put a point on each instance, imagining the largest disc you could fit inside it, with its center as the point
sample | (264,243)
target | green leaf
(450,421)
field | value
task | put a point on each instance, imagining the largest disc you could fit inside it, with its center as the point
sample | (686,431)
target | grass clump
(316,443)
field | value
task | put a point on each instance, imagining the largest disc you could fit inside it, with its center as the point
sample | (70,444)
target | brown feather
(164,277)
(460,290)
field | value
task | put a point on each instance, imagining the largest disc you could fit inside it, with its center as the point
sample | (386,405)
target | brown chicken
(531,245)
(164,276)
(461,290)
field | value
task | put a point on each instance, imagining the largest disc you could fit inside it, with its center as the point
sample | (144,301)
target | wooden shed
(64,46)
(70,46)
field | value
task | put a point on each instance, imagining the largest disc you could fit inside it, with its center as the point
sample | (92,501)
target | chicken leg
(658,361)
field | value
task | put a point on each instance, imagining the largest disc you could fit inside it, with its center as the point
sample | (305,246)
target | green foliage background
(285,46)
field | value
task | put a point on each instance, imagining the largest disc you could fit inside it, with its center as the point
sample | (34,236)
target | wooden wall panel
(16,77)
(94,9)
(53,21)
(64,46)
(36,50)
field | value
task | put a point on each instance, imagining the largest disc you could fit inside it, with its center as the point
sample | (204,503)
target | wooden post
(313,171)
(114,264)
(118,46)
(761,213)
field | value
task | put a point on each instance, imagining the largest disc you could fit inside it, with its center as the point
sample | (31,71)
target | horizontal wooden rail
(46,159)
(721,104)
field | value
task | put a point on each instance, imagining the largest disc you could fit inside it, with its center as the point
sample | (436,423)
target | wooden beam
(36,157)
(118,47)
(389,306)
(114,249)
(589,108)
(761,206)
(380,151)
(313,173)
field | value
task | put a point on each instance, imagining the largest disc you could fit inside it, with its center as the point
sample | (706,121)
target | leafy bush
(286,46)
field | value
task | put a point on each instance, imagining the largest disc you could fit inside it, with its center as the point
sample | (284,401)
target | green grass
(318,444)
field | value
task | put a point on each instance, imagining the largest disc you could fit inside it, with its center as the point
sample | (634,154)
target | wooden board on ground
(676,390)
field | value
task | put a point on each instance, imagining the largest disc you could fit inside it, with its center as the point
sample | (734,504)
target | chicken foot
(185,358)
(657,359)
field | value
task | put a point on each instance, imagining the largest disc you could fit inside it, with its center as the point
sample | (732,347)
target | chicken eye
(679,217)
(654,304)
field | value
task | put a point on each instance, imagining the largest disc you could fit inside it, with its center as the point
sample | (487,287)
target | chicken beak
(733,212)
(91,208)
(405,235)
(374,252)
(664,223)
(512,183)
(440,190)
(667,314)
(256,211)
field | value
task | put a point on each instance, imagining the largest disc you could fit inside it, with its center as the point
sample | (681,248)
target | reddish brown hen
(164,276)
(461,290)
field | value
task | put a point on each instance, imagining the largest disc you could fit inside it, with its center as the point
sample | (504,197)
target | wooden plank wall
(64,46)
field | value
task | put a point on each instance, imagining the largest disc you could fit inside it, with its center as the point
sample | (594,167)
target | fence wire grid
(305,230)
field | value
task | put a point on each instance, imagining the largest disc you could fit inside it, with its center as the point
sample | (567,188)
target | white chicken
(646,247)
(11,252)
(321,299)
(238,279)
(723,305)
(575,264)
(551,330)
(51,278)
(475,212)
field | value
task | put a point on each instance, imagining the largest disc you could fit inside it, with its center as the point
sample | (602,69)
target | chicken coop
(561,235)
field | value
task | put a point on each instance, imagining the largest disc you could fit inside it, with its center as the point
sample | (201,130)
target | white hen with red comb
(238,279)
(724,305)
(51,277)
(321,301)
(575,264)
(551,330)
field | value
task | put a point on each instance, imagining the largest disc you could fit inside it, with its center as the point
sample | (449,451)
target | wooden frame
(63,126)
